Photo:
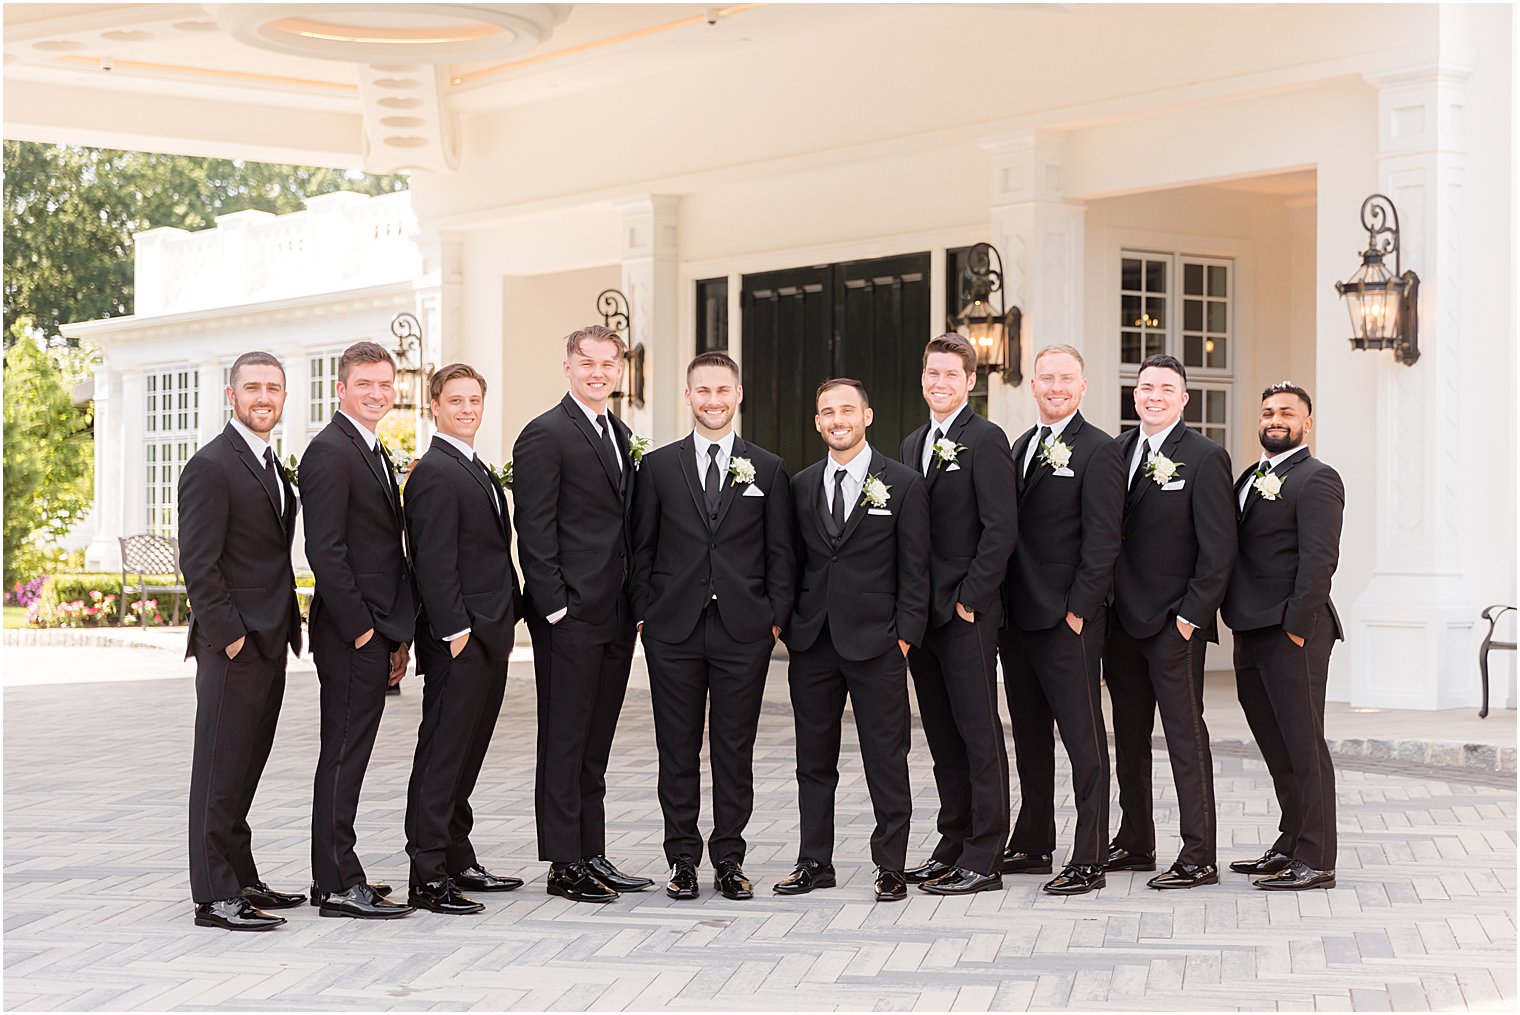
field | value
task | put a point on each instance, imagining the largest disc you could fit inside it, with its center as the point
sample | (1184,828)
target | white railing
(340,241)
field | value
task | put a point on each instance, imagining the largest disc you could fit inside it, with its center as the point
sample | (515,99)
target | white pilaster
(440,308)
(1039,234)
(1414,623)
(213,399)
(111,436)
(133,517)
(650,281)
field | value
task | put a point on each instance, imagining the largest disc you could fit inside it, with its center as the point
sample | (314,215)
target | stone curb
(1435,753)
(94,637)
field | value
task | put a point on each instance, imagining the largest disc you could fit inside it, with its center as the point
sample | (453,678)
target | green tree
(49,456)
(70,214)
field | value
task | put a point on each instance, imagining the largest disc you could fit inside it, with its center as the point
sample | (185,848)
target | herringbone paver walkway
(97,913)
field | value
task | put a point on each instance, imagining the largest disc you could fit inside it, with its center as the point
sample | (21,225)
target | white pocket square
(1176,484)
(878,511)
(952,467)
(751,490)
(1062,472)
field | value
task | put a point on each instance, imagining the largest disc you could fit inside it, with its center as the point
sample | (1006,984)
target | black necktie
(935,439)
(385,466)
(609,448)
(490,484)
(714,481)
(1145,456)
(837,511)
(271,480)
(1039,442)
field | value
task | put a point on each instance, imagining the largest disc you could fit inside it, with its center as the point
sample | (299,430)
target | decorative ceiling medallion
(378,32)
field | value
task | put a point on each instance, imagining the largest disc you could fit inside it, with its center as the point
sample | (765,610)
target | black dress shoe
(441,896)
(1077,879)
(810,874)
(574,881)
(614,878)
(683,879)
(1120,859)
(261,896)
(961,881)
(1016,862)
(1186,875)
(730,880)
(1269,862)
(380,888)
(362,903)
(1296,877)
(891,886)
(236,913)
(476,878)
(927,871)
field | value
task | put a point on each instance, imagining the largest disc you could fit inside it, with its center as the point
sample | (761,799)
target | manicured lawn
(15,616)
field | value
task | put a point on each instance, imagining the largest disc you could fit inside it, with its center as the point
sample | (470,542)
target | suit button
(704,581)
(835,557)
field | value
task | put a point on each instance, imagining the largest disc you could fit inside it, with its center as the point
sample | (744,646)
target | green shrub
(94,599)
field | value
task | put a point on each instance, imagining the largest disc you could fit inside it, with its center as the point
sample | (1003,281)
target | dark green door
(863,319)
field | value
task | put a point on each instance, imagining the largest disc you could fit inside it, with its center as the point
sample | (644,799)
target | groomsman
(969,476)
(862,525)
(237,512)
(460,531)
(713,576)
(363,615)
(1071,501)
(574,473)
(1278,605)
(1173,566)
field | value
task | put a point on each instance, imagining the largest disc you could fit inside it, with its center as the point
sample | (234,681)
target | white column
(1039,235)
(1413,626)
(132,422)
(213,399)
(297,399)
(111,436)
(440,308)
(649,246)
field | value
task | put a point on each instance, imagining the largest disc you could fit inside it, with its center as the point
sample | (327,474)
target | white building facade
(796,184)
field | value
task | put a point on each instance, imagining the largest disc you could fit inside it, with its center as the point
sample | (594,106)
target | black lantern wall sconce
(613,306)
(992,329)
(1384,305)
(412,374)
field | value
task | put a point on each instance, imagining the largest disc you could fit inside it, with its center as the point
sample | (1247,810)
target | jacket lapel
(813,503)
(256,467)
(370,463)
(728,491)
(1280,472)
(1168,450)
(478,474)
(1069,436)
(878,464)
(1020,447)
(588,431)
(686,452)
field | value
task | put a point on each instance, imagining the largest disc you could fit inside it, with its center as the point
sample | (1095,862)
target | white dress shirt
(1267,462)
(1154,441)
(1056,429)
(854,479)
(258,446)
(591,415)
(725,449)
(943,426)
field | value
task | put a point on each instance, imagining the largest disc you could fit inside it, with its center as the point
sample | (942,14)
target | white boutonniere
(1162,469)
(874,493)
(638,447)
(1268,485)
(946,449)
(292,470)
(742,469)
(401,461)
(1057,455)
(503,474)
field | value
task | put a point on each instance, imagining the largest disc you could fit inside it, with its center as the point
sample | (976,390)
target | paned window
(322,395)
(712,315)
(173,422)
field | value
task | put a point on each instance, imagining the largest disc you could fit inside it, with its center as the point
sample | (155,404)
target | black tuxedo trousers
(461,699)
(711,676)
(352,697)
(1052,676)
(228,761)
(1164,670)
(581,671)
(820,680)
(955,680)
(1282,692)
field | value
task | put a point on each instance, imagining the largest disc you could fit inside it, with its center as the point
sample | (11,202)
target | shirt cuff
(1186,621)
(558,615)
(457,635)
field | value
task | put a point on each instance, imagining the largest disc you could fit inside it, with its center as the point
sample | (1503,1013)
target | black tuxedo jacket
(1289,548)
(974,514)
(572,514)
(872,585)
(681,557)
(1068,530)
(462,554)
(353,537)
(234,547)
(1178,544)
